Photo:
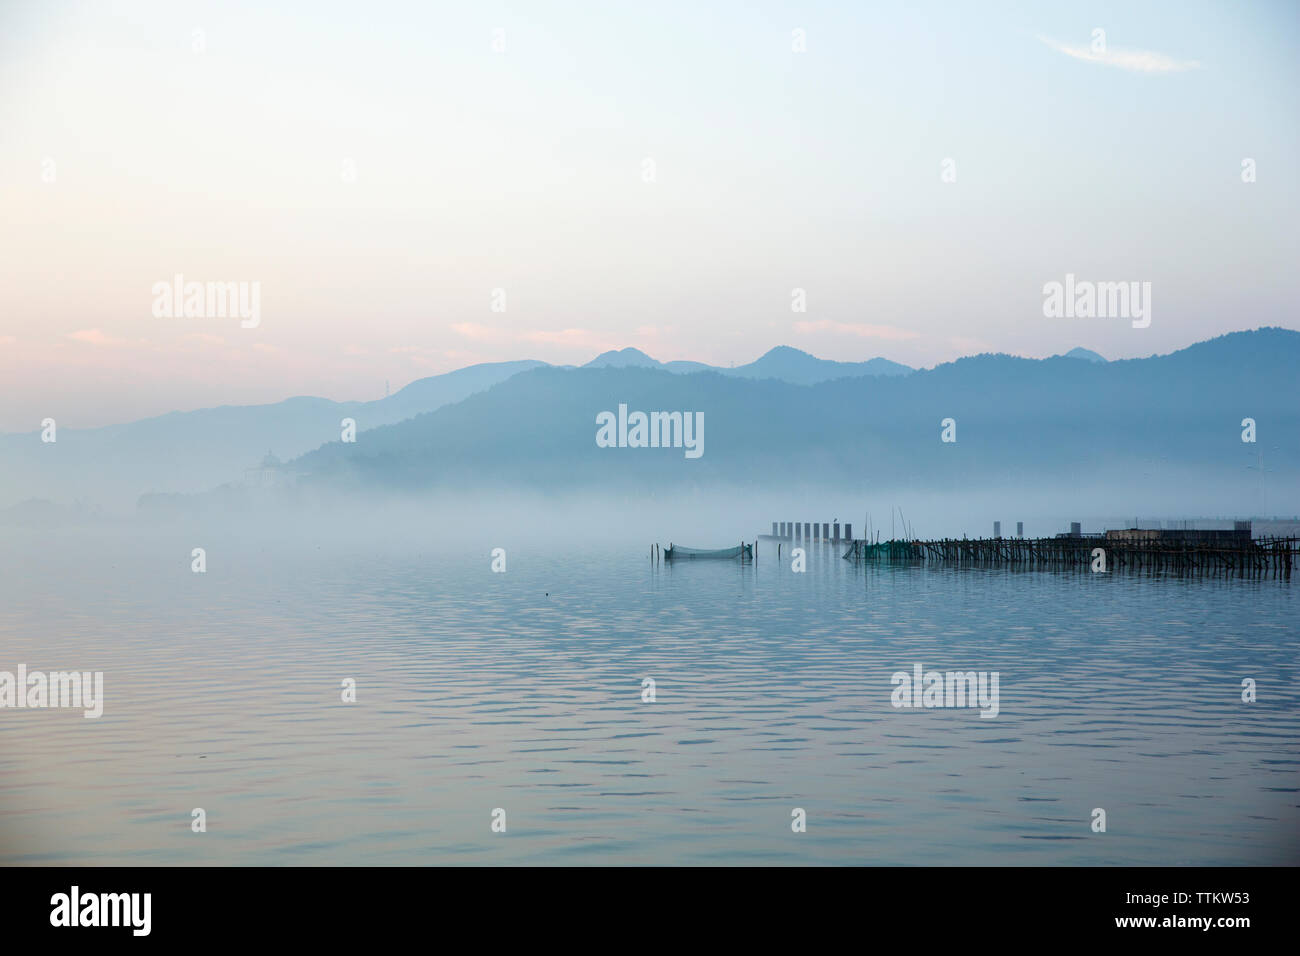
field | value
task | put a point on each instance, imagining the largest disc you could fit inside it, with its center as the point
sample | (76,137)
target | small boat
(744,552)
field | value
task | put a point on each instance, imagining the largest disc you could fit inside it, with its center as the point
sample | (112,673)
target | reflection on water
(523,691)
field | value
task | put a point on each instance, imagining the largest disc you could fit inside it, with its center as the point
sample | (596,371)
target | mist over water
(501,510)
(522,690)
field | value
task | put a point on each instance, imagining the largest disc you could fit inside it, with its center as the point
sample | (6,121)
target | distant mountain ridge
(783,363)
(1088,355)
(197,450)
(786,416)
(187,452)
(1170,418)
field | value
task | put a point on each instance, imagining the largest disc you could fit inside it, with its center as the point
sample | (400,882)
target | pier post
(997,529)
(848,531)
(1020,529)
(826,530)
(807,533)
(835,532)
(774,529)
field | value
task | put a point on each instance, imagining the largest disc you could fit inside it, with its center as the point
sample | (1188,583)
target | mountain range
(193,451)
(782,363)
(1014,420)
(786,419)
(187,452)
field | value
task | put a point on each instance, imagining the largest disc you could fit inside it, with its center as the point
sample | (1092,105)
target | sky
(661,176)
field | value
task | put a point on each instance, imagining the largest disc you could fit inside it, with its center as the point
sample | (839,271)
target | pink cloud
(95,337)
(478,333)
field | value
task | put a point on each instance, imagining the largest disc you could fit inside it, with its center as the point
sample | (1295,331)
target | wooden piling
(1260,557)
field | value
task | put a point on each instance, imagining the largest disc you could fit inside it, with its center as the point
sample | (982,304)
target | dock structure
(1230,553)
(810,532)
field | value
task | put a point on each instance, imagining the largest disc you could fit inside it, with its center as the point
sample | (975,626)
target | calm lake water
(522,691)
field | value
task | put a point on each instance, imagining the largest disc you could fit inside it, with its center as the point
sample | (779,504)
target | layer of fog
(712,517)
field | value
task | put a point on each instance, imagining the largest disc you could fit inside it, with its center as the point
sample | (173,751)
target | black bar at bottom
(961,906)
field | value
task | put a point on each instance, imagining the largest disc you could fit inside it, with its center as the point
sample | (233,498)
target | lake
(522,692)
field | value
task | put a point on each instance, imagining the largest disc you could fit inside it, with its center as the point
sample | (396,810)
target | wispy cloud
(1137,61)
(478,333)
(863,330)
(95,337)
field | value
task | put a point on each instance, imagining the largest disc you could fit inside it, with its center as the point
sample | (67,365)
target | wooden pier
(1233,557)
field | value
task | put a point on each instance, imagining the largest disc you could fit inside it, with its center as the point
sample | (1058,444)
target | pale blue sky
(522,170)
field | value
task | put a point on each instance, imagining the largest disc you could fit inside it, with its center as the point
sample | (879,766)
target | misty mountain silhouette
(1088,355)
(1148,420)
(198,450)
(1172,418)
(783,363)
(186,452)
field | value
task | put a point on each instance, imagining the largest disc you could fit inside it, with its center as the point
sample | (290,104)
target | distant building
(1076,531)
(1238,537)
